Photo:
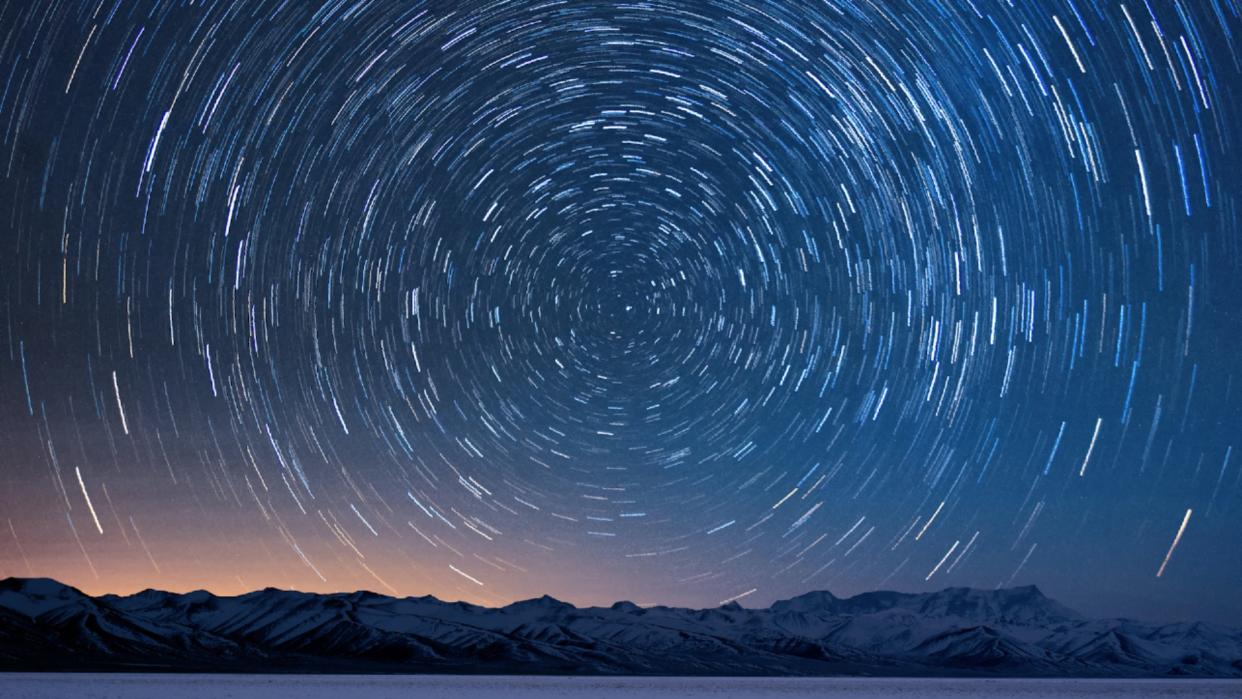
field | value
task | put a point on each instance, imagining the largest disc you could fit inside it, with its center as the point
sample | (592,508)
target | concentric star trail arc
(669,301)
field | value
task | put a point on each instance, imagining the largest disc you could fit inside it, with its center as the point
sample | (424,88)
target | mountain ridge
(47,625)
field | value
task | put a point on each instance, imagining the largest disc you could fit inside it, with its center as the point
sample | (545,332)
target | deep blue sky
(677,302)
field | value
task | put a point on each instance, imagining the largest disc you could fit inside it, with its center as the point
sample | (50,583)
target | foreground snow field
(177,686)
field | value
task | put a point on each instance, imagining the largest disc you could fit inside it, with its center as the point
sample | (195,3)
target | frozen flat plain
(163,686)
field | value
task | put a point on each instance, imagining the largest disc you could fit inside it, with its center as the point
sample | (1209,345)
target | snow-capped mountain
(47,625)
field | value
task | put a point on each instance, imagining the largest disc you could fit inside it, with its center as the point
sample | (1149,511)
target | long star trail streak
(661,301)
(1173,547)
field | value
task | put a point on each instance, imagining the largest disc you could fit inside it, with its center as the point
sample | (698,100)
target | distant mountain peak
(39,586)
(543,601)
(818,600)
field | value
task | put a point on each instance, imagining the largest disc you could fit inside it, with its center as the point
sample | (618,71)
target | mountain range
(46,625)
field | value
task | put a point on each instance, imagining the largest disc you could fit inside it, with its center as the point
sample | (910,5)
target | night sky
(670,301)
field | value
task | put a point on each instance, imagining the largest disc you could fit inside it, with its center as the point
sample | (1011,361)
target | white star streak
(1176,540)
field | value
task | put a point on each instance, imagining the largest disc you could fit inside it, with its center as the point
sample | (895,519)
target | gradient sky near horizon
(671,301)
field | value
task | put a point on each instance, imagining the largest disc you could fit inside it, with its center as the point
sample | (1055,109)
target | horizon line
(643,605)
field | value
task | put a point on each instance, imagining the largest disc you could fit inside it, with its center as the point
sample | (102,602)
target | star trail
(678,302)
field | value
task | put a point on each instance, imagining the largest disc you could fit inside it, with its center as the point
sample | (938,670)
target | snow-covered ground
(172,686)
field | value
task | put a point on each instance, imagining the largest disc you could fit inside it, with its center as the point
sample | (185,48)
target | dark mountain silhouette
(45,625)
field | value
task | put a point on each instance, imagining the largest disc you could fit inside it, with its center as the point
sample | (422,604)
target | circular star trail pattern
(674,301)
